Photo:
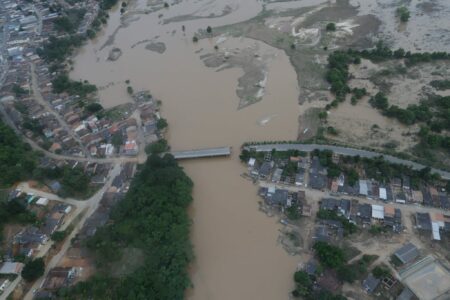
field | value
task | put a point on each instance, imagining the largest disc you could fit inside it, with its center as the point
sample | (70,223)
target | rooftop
(407,253)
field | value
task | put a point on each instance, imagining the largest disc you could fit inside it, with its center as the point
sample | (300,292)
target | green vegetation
(292,212)
(19,91)
(440,84)
(117,140)
(14,211)
(338,62)
(63,83)
(329,256)
(208,29)
(304,288)
(158,147)
(58,236)
(377,229)
(152,217)
(17,160)
(349,227)
(33,269)
(195,39)
(381,271)
(161,124)
(70,22)
(130,90)
(74,183)
(334,170)
(331,27)
(351,272)
(403,14)
(93,107)
(57,49)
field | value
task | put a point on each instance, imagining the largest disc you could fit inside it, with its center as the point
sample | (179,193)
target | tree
(330,256)
(166,5)
(347,273)
(331,27)
(130,90)
(93,107)
(117,140)
(403,13)
(208,29)
(75,182)
(195,39)
(33,269)
(18,90)
(157,147)
(161,124)
(380,271)
(17,161)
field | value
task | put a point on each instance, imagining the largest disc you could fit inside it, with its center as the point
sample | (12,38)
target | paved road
(345,151)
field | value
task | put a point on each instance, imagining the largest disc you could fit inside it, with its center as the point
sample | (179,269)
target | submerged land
(336,114)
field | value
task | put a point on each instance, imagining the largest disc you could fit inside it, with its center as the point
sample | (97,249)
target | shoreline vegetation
(151,220)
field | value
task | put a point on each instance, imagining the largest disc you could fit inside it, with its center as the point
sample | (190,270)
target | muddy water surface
(237,255)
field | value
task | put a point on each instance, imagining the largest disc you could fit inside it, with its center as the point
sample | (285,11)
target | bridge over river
(202,153)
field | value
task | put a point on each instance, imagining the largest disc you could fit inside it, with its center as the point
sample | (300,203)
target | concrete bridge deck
(201,153)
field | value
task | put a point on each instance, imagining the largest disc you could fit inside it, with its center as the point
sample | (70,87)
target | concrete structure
(202,153)
(428,279)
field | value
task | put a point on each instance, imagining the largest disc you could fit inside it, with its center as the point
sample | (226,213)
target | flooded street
(237,255)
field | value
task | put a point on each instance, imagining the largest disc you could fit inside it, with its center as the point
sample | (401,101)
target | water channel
(237,255)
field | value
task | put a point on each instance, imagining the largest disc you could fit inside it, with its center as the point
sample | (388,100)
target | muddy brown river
(237,254)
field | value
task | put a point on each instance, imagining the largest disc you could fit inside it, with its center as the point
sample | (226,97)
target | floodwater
(237,255)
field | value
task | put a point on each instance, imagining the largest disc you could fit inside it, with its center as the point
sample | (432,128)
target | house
(406,183)
(131,148)
(382,194)
(392,217)
(341,206)
(31,235)
(300,177)
(406,294)
(4,283)
(311,267)
(265,169)
(377,212)
(407,253)
(280,197)
(363,188)
(277,175)
(58,277)
(423,221)
(365,213)
(11,268)
(321,234)
(370,284)
(55,186)
(317,181)
(42,201)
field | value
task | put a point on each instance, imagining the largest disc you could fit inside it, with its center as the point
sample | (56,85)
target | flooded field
(245,89)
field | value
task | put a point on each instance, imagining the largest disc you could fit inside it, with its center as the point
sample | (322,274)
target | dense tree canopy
(17,160)
(33,269)
(152,217)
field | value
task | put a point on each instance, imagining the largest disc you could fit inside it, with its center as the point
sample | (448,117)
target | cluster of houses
(311,174)
(62,125)
(77,254)
(434,223)
(31,239)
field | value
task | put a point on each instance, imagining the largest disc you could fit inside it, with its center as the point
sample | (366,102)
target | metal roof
(377,211)
(407,253)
